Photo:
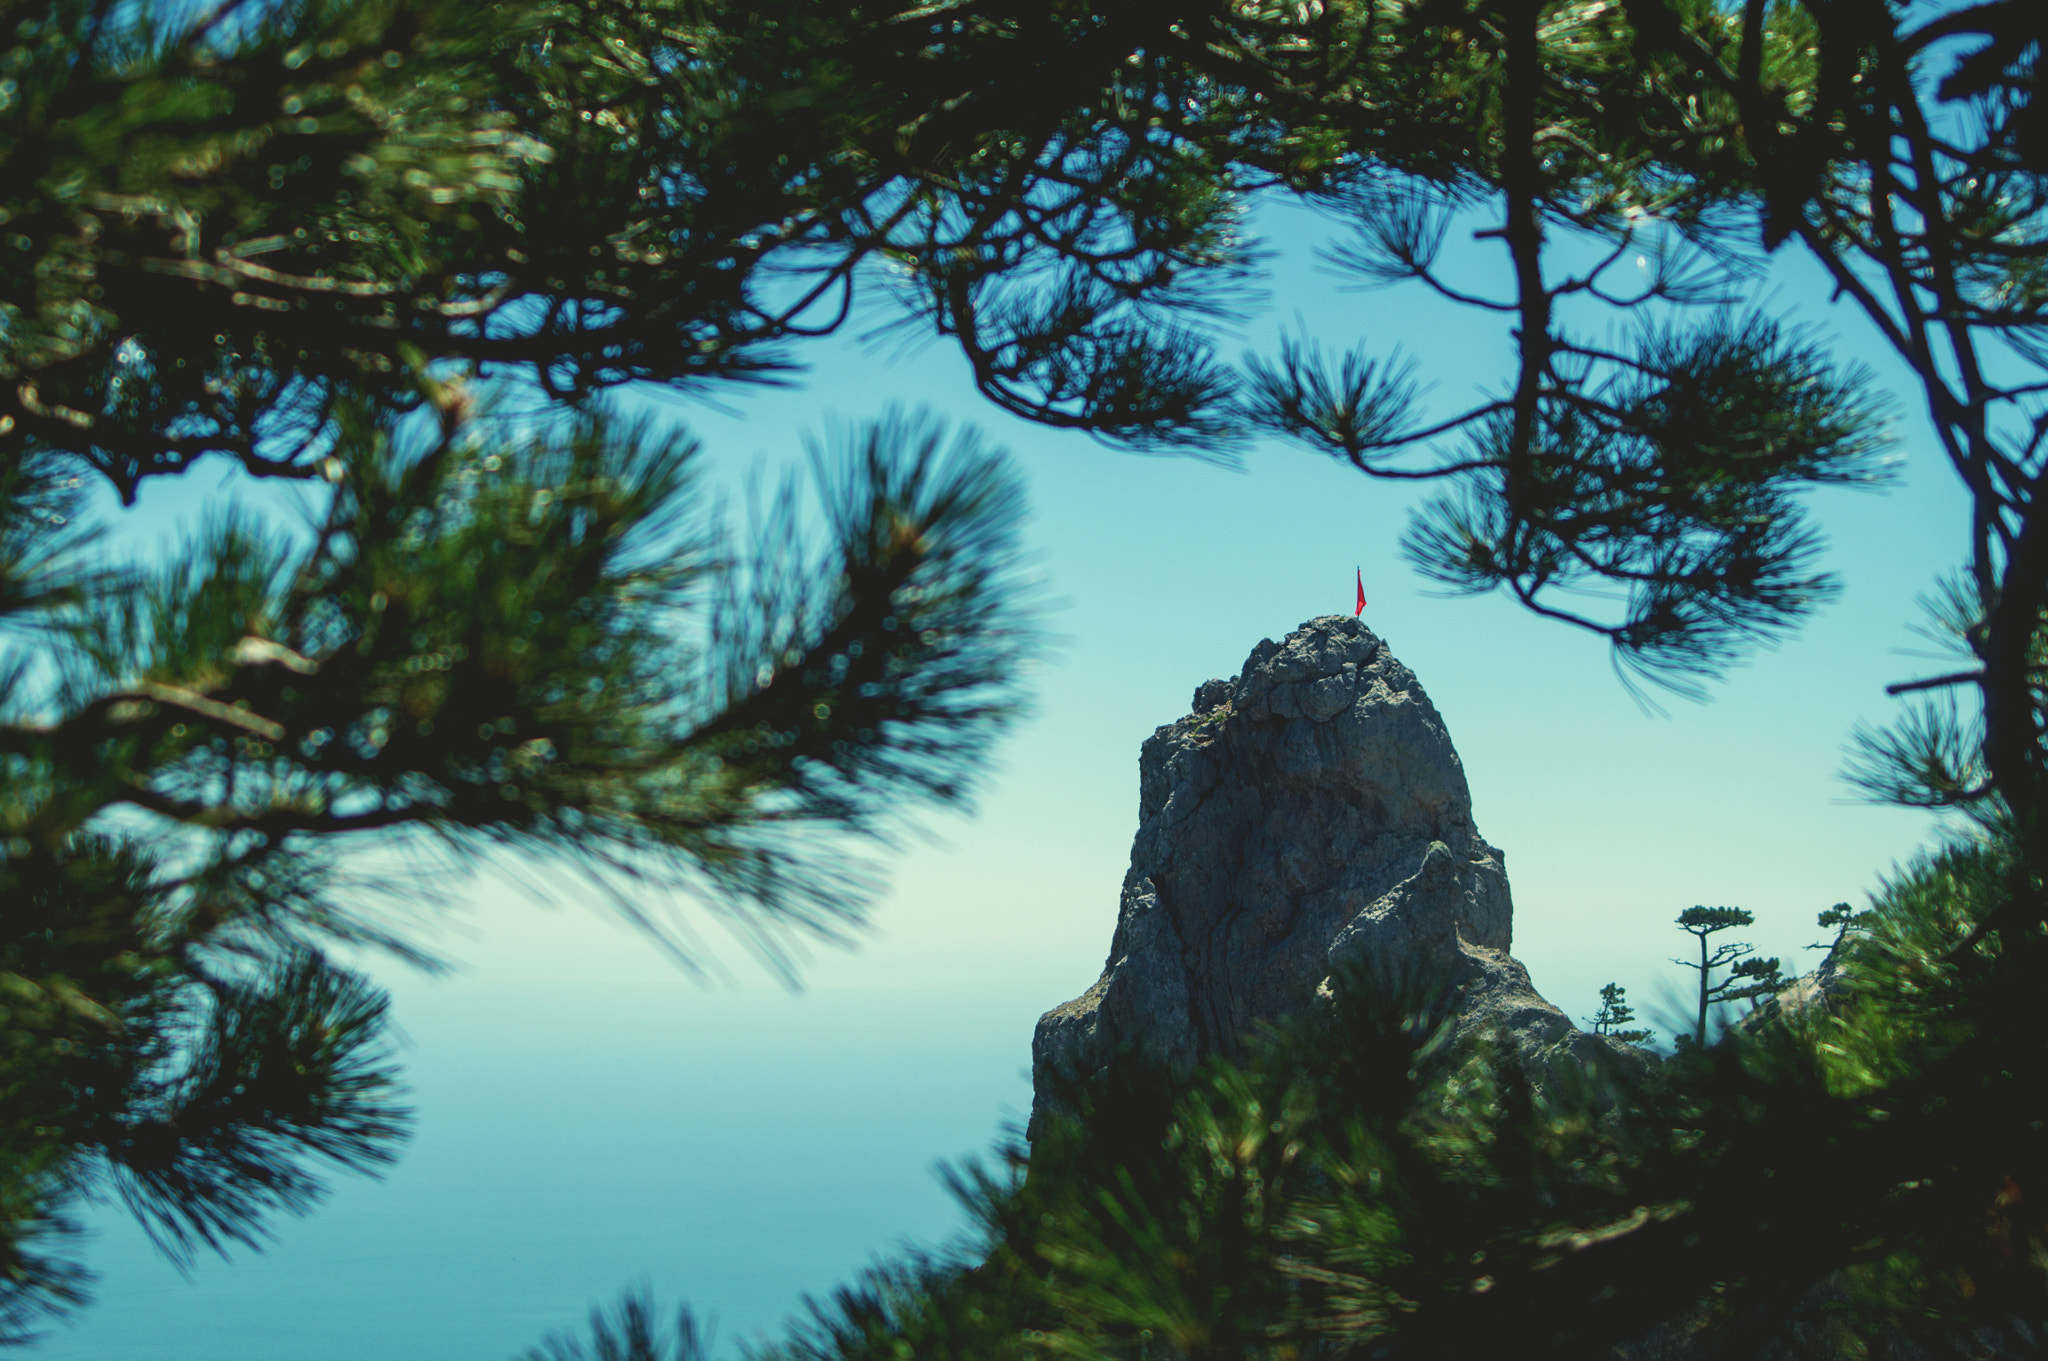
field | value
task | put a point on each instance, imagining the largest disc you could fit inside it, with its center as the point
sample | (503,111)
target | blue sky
(592,1119)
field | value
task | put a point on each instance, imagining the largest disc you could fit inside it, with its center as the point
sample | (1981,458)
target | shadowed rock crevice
(1310,814)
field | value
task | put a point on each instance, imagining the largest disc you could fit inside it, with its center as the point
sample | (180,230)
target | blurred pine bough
(282,235)
(397,250)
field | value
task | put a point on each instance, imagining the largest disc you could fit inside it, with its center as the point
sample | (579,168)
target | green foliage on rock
(1364,1181)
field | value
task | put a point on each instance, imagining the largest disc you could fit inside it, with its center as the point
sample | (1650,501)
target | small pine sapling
(1614,1015)
(1841,919)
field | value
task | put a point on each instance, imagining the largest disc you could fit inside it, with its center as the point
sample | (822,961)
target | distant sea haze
(735,1149)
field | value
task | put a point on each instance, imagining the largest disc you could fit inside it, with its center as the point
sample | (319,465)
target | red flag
(1361,594)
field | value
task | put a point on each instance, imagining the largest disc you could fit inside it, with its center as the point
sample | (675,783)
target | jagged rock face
(1310,812)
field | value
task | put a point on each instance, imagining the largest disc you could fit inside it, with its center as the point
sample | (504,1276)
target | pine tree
(1842,919)
(1747,978)
(1614,1015)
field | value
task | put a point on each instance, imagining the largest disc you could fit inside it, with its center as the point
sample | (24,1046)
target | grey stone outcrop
(1306,815)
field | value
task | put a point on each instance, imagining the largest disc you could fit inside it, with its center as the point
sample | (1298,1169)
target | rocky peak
(1311,811)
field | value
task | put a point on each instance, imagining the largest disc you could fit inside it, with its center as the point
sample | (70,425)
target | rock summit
(1307,814)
